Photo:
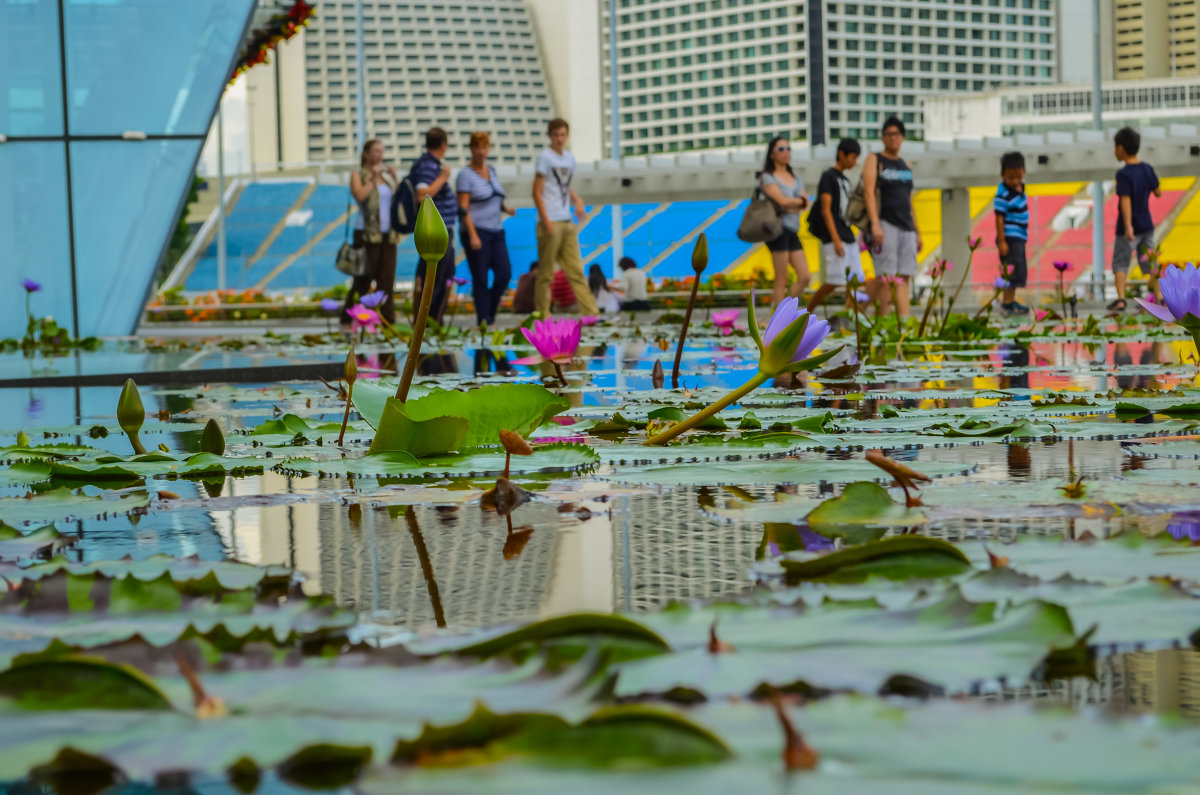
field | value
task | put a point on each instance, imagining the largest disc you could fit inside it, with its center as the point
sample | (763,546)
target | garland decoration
(278,28)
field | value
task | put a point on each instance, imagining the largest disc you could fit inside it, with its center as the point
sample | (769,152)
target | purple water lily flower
(788,312)
(814,541)
(460,281)
(1062,265)
(1181,297)
(30,285)
(330,304)
(1185,526)
(372,300)
(1001,283)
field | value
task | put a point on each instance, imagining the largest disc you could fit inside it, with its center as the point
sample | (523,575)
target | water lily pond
(957,568)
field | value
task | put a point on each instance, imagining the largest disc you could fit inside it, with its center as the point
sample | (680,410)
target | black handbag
(351,260)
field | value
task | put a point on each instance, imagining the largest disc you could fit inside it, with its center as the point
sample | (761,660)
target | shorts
(1123,250)
(898,257)
(788,241)
(833,267)
(1016,268)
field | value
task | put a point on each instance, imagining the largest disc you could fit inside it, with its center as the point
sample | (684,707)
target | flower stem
(687,319)
(700,416)
(954,300)
(988,305)
(346,415)
(414,345)
(933,291)
(562,379)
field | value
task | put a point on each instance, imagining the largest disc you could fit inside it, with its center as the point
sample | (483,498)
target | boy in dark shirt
(1012,229)
(1135,226)
(840,262)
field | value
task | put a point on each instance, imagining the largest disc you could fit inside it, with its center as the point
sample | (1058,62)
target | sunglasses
(783,149)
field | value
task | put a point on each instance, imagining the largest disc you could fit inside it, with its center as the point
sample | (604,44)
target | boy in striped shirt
(1012,229)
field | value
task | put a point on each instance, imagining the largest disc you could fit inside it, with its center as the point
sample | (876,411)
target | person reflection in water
(440,363)
(1015,358)
(489,361)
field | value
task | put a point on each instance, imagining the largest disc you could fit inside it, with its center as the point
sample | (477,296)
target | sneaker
(1006,308)
(1017,308)
(1117,305)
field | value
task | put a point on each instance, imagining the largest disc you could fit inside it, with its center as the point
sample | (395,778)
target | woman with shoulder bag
(481,208)
(782,186)
(371,188)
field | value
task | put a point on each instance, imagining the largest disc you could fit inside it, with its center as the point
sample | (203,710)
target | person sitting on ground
(840,263)
(1135,225)
(1012,229)
(606,300)
(633,286)
(523,297)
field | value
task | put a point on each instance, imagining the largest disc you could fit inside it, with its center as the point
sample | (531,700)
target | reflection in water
(435,599)
(1166,681)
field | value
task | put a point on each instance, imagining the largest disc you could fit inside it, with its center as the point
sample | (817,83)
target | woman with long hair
(606,300)
(782,186)
(482,208)
(372,186)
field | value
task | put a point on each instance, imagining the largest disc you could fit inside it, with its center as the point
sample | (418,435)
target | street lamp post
(1097,188)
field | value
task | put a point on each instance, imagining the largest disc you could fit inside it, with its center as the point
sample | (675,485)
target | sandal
(1117,305)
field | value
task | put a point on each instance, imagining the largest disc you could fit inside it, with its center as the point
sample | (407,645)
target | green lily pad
(862,504)
(555,457)
(895,558)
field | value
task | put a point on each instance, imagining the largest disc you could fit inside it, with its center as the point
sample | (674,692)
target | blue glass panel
(30,77)
(149,65)
(126,194)
(33,234)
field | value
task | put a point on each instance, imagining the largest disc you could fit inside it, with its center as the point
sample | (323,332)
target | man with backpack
(429,176)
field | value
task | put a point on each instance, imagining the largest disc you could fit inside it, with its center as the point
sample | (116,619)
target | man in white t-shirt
(557,233)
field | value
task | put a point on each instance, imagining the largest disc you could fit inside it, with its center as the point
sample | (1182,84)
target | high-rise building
(1155,38)
(696,74)
(463,66)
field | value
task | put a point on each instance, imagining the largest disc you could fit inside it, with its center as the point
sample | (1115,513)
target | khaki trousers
(561,246)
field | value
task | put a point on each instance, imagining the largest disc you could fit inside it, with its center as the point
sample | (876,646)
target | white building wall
(463,66)
(569,36)
(972,116)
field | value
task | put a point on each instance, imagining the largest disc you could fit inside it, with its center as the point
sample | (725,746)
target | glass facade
(100,139)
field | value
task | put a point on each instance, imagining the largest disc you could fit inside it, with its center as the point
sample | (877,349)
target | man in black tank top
(888,187)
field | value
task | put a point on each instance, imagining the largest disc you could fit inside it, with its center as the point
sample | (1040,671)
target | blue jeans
(491,256)
(443,274)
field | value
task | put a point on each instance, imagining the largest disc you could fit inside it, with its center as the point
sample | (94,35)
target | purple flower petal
(1159,311)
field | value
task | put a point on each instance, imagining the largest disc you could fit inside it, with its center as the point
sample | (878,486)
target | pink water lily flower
(726,320)
(1039,315)
(1062,265)
(362,317)
(556,340)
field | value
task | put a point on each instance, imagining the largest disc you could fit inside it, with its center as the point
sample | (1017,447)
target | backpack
(856,207)
(404,203)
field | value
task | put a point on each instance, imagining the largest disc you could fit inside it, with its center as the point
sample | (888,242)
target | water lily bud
(351,371)
(23,439)
(514,444)
(130,412)
(700,254)
(212,440)
(429,234)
